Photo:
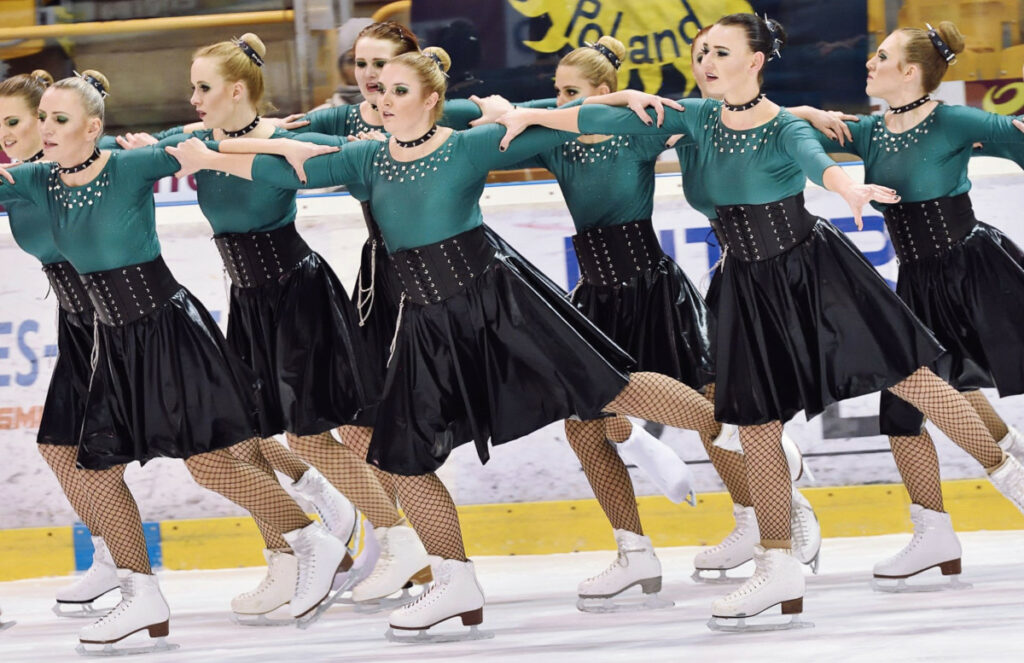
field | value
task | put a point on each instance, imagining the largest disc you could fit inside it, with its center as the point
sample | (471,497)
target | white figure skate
(805,531)
(336,512)
(455,593)
(77,599)
(320,557)
(142,608)
(1013,443)
(934,544)
(402,564)
(778,580)
(1008,479)
(736,549)
(660,463)
(635,565)
(275,590)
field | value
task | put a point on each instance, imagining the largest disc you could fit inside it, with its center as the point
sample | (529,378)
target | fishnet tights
(606,472)
(61,460)
(659,398)
(993,422)
(771,488)
(431,512)
(919,467)
(253,488)
(345,466)
(730,465)
(952,413)
(282,459)
(115,517)
(251,452)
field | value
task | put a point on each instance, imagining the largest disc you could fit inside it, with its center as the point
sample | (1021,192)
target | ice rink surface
(531,610)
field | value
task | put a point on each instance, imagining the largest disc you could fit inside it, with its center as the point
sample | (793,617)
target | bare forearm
(563,119)
(254,146)
(239,165)
(835,179)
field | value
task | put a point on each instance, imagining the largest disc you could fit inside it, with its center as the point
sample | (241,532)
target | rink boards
(535,481)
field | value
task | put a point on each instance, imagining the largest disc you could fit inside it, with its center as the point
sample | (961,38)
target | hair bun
(440,56)
(255,43)
(104,84)
(952,36)
(43,77)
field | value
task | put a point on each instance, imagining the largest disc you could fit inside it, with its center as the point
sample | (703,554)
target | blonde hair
(29,87)
(431,66)
(91,95)
(234,64)
(920,50)
(595,66)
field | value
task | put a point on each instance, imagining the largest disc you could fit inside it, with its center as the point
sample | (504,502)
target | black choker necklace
(35,157)
(742,107)
(911,106)
(244,130)
(419,141)
(82,166)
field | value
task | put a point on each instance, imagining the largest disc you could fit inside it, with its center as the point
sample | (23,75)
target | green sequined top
(30,216)
(418,202)
(107,223)
(607,183)
(235,205)
(346,120)
(751,166)
(930,160)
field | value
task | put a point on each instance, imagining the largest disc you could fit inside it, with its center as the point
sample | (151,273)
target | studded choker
(82,166)
(244,130)
(35,157)
(742,107)
(418,141)
(911,106)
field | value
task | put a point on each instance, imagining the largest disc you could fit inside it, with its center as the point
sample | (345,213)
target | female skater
(960,276)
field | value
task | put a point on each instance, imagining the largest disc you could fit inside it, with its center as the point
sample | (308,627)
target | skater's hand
(5,174)
(833,124)
(130,141)
(859,195)
(515,122)
(298,152)
(373,134)
(491,108)
(293,121)
(193,155)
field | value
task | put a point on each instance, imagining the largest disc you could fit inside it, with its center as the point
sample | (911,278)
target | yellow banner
(654,32)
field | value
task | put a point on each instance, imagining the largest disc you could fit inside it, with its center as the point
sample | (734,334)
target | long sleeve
(483,142)
(799,141)
(332,121)
(350,166)
(967,126)
(601,119)
(458,113)
(152,162)
(29,184)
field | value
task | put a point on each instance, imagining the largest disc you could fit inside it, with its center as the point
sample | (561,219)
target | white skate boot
(934,544)
(455,593)
(1008,479)
(662,465)
(142,608)
(795,460)
(101,578)
(729,439)
(806,531)
(275,590)
(403,562)
(6,625)
(735,549)
(777,580)
(636,564)
(320,556)
(336,512)
(365,559)
(1013,443)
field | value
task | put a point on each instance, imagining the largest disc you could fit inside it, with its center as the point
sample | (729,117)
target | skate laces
(734,536)
(384,559)
(762,571)
(268,580)
(127,594)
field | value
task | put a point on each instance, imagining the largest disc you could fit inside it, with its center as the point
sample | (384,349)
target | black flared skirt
(659,318)
(296,334)
(500,359)
(166,385)
(807,328)
(971,297)
(64,409)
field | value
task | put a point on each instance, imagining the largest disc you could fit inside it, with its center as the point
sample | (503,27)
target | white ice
(531,610)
